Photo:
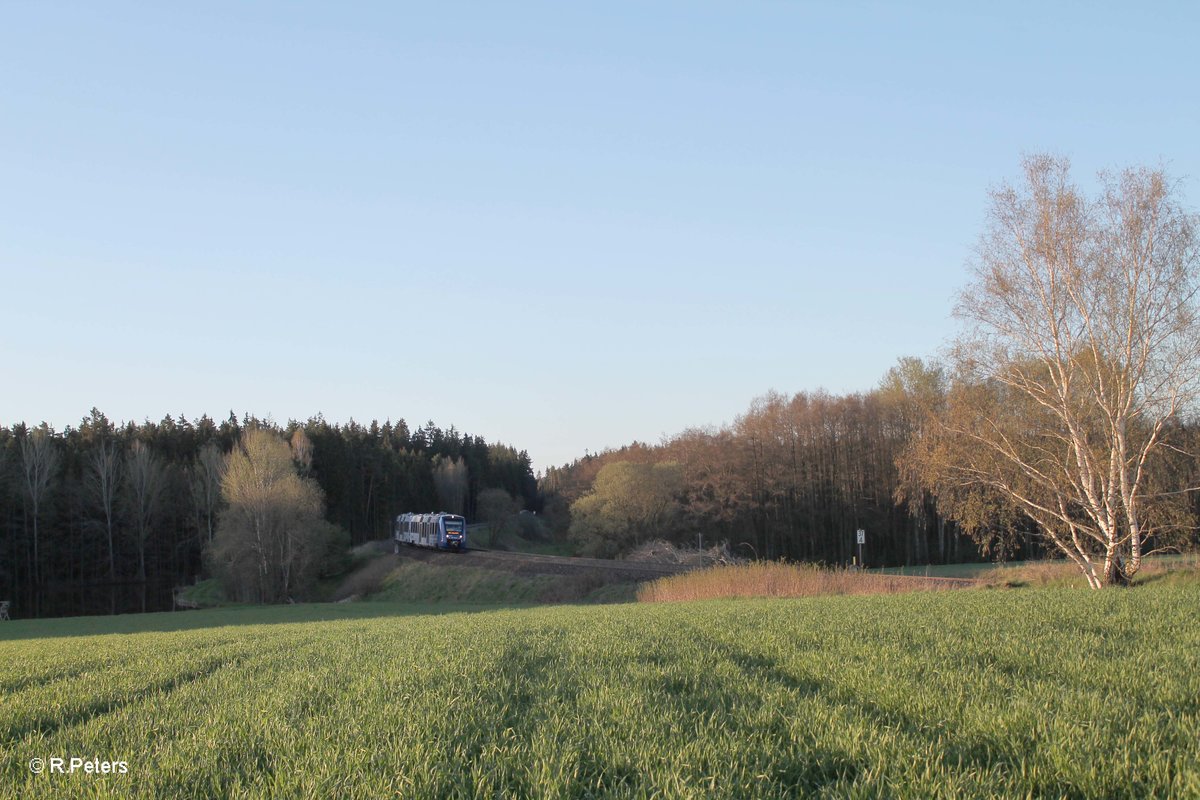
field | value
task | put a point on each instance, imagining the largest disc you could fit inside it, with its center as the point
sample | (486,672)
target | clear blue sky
(559,225)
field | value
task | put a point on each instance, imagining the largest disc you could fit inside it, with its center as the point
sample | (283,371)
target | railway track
(537,564)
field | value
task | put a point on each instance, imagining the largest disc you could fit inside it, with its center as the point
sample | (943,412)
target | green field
(981,693)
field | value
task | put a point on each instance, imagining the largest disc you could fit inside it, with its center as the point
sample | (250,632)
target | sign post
(862,539)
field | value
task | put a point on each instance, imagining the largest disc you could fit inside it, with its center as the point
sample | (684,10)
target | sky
(562,226)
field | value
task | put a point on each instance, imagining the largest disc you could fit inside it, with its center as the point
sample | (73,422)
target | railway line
(537,564)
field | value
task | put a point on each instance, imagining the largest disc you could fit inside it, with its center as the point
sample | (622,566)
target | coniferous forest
(107,518)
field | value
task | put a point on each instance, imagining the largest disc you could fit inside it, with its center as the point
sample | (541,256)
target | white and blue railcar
(441,530)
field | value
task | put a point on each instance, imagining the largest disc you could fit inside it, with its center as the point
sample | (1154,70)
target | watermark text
(54,765)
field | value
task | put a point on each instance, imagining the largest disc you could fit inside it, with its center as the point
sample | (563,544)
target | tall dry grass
(775,579)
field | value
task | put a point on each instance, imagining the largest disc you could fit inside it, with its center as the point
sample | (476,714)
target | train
(436,529)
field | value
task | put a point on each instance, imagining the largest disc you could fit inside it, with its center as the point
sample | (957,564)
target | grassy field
(415,581)
(391,579)
(978,693)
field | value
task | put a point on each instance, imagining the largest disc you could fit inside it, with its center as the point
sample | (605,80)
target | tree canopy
(272,542)
(1078,358)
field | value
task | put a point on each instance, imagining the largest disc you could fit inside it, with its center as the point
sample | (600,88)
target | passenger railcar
(440,530)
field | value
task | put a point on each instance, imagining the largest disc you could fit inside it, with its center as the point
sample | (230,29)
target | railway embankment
(494,576)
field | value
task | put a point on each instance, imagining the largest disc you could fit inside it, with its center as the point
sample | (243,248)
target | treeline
(104,503)
(794,477)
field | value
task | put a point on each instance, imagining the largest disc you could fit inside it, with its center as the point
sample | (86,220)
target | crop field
(977,693)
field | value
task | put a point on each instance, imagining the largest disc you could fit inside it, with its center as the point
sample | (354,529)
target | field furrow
(1044,693)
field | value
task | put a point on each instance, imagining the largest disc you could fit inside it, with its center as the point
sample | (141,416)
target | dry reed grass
(775,579)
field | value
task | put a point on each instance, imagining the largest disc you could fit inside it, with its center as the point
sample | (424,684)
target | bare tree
(39,459)
(302,451)
(499,510)
(1081,349)
(207,471)
(910,392)
(145,476)
(450,481)
(103,476)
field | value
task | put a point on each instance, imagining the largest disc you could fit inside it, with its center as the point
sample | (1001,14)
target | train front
(455,532)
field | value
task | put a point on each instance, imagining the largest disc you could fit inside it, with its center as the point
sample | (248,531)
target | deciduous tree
(39,460)
(450,481)
(207,471)
(103,477)
(271,541)
(145,479)
(629,503)
(1080,351)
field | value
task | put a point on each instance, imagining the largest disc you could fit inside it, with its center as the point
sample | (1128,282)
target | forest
(108,517)
(116,515)
(796,476)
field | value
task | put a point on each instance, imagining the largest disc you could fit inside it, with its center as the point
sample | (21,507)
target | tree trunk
(941,526)
(1114,573)
(112,562)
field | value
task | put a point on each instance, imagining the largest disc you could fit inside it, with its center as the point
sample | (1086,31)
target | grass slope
(386,578)
(1042,692)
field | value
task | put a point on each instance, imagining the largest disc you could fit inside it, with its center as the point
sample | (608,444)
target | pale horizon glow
(563,227)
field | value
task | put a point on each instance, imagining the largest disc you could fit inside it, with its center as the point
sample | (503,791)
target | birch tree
(207,471)
(145,478)
(450,481)
(302,451)
(1080,351)
(103,477)
(39,460)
